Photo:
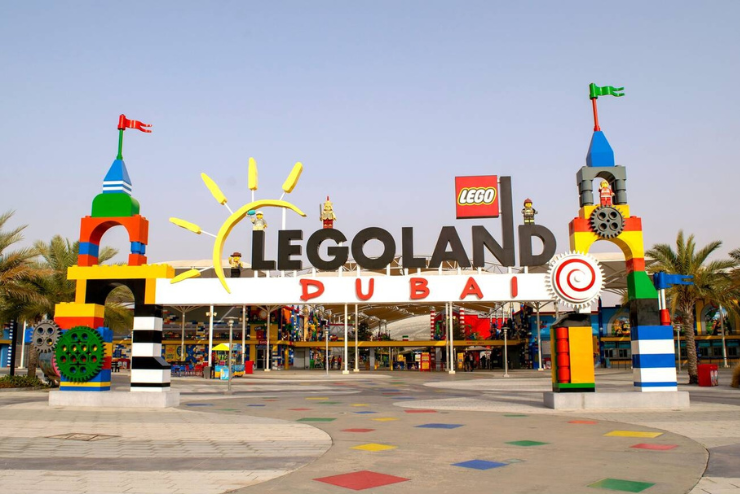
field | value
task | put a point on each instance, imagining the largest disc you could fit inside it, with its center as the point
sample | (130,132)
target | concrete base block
(114,399)
(587,401)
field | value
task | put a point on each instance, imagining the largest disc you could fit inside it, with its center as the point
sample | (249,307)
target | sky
(383,102)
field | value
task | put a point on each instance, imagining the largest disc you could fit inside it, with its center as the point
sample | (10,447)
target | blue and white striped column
(149,371)
(653,358)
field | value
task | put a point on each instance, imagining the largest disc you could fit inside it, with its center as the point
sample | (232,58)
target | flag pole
(596,115)
(120,144)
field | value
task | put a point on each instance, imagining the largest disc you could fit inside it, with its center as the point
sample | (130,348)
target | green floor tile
(328,402)
(316,419)
(621,485)
(526,443)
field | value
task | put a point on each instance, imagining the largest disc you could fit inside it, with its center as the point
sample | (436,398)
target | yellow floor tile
(385,419)
(360,405)
(633,434)
(374,447)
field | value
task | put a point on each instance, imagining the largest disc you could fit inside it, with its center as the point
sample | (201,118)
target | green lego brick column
(639,285)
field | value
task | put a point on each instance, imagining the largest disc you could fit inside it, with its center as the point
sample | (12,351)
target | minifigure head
(604,184)
(527,203)
(259,215)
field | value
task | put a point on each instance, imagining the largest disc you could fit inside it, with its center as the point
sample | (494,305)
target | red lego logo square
(476,197)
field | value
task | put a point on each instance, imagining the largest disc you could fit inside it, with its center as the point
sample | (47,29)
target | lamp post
(451,329)
(539,339)
(722,328)
(357,330)
(346,354)
(326,338)
(210,315)
(506,353)
(231,347)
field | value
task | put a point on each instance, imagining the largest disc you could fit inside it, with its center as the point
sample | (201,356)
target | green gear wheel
(80,353)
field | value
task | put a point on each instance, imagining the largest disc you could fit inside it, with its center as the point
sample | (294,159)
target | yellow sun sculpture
(235,217)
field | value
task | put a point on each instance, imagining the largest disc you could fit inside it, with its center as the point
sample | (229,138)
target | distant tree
(363,332)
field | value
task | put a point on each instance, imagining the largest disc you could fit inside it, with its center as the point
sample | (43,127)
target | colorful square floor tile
(328,402)
(316,419)
(357,430)
(420,411)
(440,426)
(384,419)
(199,404)
(526,443)
(365,412)
(299,409)
(358,481)
(633,434)
(374,447)
(621,485)
(655,447)
(256,405)
(359,405)
(479,464)
(588,422)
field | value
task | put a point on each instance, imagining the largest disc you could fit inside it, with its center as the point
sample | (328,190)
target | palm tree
(17,272)
(712,281)
(56,257)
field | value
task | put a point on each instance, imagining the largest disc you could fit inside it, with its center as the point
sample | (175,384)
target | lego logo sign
(477,197)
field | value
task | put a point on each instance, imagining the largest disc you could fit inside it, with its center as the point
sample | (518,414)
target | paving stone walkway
(388,433)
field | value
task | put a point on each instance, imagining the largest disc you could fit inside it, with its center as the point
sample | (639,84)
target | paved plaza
(389,432)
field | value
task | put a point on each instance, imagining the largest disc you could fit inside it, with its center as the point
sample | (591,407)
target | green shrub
(21,382)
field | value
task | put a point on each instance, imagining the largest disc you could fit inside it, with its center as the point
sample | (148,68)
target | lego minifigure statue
(605,193)
(327,214)
(528,212)
(257,220)
(235,261)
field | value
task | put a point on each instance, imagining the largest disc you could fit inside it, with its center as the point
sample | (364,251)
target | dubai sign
(491,197)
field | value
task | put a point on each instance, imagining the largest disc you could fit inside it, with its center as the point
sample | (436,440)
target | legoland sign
(484,192)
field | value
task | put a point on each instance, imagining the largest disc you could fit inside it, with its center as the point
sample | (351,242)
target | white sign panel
(355,290)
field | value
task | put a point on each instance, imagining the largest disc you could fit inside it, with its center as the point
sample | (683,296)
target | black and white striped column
(149,371)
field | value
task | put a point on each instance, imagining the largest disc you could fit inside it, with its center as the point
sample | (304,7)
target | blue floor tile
(479,464)
(440,426)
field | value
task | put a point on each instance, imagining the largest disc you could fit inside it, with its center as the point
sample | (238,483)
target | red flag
(125,123)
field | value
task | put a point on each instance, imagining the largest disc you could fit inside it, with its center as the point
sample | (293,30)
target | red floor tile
(357,430)
(655,447)
(358,481)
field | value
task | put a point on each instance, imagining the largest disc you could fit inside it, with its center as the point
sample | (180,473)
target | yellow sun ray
(192,273)
(187,225)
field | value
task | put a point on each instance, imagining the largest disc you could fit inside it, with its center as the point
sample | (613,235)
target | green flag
(597,91)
